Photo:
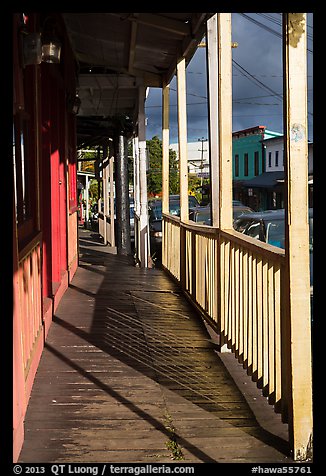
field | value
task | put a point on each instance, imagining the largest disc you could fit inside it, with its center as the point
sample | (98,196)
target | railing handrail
(171,218)
(252,244)
(31,245)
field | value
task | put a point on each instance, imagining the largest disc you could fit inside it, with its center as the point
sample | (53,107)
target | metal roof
(265,180)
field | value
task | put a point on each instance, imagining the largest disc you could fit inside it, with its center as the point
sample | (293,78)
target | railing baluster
(265,297)
(277,327)
(244,337)
(271,334)
(259,321)
(245,305)
(250,316)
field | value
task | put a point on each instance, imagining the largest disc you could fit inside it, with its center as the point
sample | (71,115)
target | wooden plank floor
(130,374)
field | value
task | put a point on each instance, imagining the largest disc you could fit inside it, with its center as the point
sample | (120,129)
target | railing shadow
(148,336)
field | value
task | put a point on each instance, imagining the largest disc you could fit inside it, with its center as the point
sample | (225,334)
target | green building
(248,157)
(248,152)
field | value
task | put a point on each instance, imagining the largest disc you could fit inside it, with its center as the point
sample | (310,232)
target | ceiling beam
(132,47)
(160,22)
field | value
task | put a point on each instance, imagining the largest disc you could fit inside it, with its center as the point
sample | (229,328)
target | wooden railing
(30,299)
(235,281)
(105,228)
(171,245)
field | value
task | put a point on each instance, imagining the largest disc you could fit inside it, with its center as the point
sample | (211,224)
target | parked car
(93,217)
(202,215)
(239,210)
(155,234)
(269,226)
(175,199)
(132,219)
(155,219)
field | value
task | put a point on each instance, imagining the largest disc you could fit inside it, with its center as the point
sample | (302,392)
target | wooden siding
(30,310)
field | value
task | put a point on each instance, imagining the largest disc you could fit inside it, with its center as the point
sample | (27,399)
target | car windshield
(203,216)
(238,211)
(275,232)
(174,207)
(156,212)
(311,237)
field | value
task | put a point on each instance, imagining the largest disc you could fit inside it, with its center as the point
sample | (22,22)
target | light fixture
(73,104)
(51,45)
(40,46)
(51,50)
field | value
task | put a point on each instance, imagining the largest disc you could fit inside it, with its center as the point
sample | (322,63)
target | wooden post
(111,199)
(87,199)
(105,192)
(135,153)
(297,234)
(225,120)
(182,131)
(183,163)
(143,234)
(213,111)
(135,146)
(219,61)
(165,147)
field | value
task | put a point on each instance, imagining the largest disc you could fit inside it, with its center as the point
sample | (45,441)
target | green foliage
(154,176)
(93,190)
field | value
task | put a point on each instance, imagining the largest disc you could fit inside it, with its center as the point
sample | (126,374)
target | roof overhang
(118,52)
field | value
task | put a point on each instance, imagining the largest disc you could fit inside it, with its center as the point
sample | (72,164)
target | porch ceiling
(118,52)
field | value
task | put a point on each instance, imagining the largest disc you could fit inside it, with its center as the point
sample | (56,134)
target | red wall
(42,90)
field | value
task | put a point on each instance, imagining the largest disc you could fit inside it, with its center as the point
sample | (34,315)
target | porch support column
(135,151)
(225,121)
(213,112)
(105,192)
(122,196)
(219,63)
(87,199)
(143,218)
(111,199)
(297,283)
(165,147)
(182,132)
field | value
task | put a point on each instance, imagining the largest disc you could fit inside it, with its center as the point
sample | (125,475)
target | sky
(257,81)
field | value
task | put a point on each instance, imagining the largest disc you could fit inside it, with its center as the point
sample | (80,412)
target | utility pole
(202,150)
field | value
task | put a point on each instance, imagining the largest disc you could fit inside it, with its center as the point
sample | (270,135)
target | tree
(154,175)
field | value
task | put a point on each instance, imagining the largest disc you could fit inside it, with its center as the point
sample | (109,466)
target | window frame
(256,163)
(236,165)
(246,164)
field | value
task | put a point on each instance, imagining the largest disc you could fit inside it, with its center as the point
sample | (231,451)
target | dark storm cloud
(257,81)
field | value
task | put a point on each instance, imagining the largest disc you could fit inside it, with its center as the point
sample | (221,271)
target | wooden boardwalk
(130,374)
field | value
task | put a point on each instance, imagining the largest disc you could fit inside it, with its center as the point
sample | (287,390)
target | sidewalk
(130,374)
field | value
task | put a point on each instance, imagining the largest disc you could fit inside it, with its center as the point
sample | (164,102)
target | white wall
(194,156)
(274,145)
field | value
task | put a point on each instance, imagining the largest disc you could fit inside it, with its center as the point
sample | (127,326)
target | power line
(278,22)
(266,27)
(255,80)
